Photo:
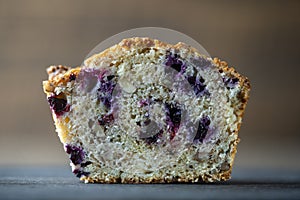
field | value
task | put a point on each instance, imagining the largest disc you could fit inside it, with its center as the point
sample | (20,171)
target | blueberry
(173,112)
(110,77)
(84,164)
(144,102)
(191,80)
(147,122)
(230,82)
(106,100)
(72,77)
(202,129)
(76,154)
(174,61)
(106,119)
(138,123)
(104,92)
(154,138)
(198,85)
(59,105)
(81,173)
(173,118)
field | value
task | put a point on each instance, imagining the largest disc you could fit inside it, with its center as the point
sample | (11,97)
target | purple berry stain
(106,119)
(230,82)
(198,85)
(58,105)
(107,85)
(84,164)
(144,102)
(173,117)
(174,61)
(202,129)
(76,155)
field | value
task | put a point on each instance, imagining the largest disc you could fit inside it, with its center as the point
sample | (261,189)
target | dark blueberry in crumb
(106,100)
(173,112)
(147,122)
(230,82)
(154,138)
(81,173)
(110,77)
(144,102)
(107,85)
(76,154)
(191,80)
(198,85)
(58,105)
(234,80)
(201,79)
(173,60)
(173,117)
(202,128)
(72,77)
(106,119)
(84,164)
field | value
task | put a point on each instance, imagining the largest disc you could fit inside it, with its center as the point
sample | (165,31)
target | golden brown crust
(243,81)
(59,75)
(144,180)
(124,46)
(243,97)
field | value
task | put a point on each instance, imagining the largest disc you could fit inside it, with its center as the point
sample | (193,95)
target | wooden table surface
(59,183)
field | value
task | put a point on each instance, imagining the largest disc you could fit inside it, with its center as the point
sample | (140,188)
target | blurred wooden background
(260,38)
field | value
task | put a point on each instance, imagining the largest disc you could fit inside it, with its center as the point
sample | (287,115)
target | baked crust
(240,110)
(59,76)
